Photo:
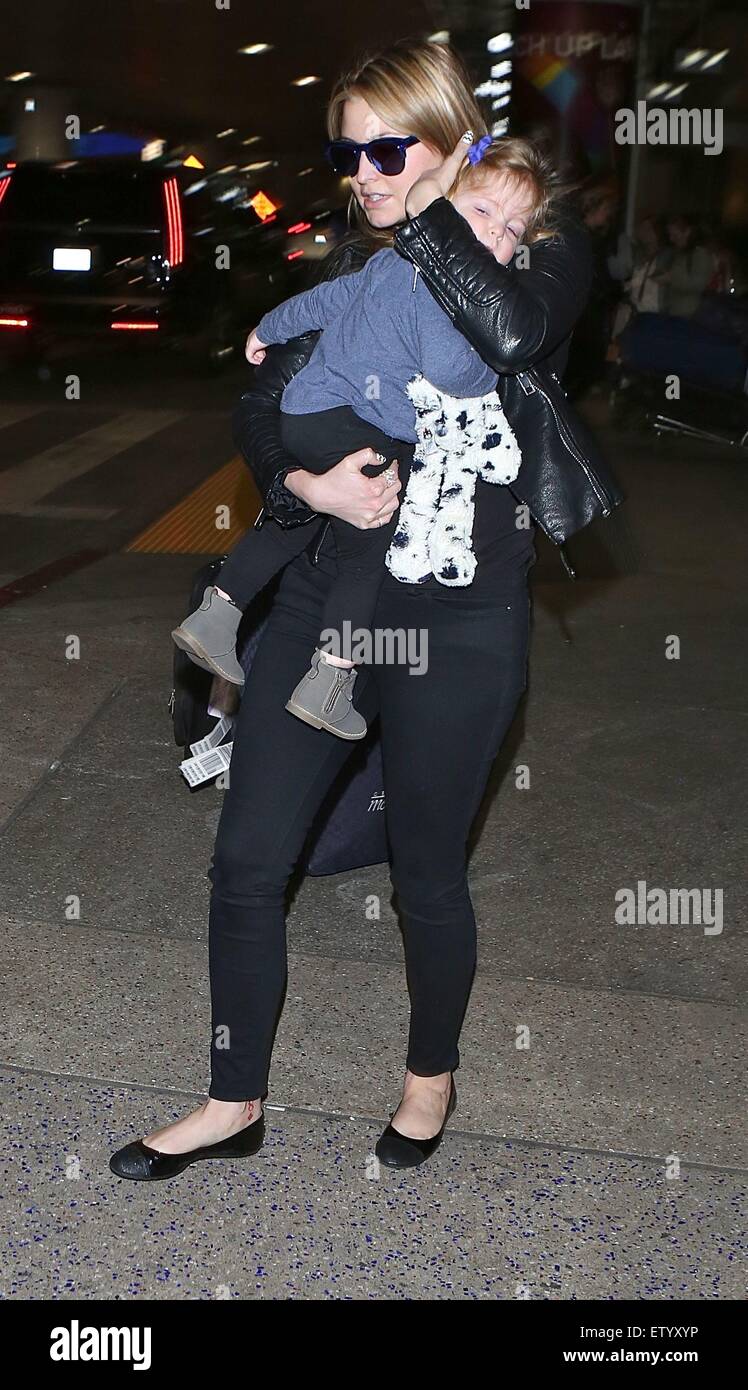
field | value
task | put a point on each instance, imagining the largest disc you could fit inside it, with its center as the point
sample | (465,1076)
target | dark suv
(141,250)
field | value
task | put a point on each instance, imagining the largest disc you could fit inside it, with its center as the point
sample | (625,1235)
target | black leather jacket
(520,321)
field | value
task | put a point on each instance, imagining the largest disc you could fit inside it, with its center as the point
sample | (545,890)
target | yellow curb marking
(190,527)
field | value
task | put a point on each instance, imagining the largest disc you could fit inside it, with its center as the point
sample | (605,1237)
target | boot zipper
(332,694)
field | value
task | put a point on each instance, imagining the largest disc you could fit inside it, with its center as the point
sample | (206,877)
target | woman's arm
(342,491)
(512,317)
(256,430)
(256,420)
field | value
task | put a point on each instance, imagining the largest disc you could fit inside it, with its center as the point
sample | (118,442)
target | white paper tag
(216,736)
(207,765)
(217,712)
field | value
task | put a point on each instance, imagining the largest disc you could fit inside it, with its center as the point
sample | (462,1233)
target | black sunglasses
(387,154)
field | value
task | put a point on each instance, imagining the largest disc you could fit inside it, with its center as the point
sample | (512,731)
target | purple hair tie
(478,148)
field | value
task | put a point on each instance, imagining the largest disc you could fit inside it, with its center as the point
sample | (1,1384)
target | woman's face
(381,197)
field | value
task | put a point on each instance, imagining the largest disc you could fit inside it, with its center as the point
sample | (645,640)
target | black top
(499,543)
(503,550)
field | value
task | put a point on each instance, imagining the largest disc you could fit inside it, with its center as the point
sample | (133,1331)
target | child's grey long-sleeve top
(381,327)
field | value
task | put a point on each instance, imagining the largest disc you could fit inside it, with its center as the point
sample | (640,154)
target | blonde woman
(396,124)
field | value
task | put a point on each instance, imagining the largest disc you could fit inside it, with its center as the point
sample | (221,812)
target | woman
(643,291)
(519,322)
(689,272)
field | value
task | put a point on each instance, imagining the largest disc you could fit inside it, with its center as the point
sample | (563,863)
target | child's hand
(255,349)
(436,183)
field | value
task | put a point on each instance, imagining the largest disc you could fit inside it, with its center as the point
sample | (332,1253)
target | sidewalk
(552,1181)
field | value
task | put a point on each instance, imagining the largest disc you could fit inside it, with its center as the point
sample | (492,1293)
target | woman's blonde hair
(420,88)
(515,155)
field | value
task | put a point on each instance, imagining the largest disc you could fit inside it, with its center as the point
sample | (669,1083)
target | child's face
(498,210)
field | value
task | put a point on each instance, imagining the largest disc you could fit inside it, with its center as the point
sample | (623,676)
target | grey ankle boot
(208,636)
(324,699)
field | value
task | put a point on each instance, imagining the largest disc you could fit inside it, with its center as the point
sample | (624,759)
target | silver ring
(389,476)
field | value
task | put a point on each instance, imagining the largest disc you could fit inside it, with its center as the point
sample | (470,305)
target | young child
(381,327)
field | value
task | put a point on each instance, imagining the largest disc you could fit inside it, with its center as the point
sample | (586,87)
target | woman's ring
(389,476)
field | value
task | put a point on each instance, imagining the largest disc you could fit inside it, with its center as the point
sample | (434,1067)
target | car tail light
(135,325)
(4,186)
(14,323)
(174,223)
(294,255)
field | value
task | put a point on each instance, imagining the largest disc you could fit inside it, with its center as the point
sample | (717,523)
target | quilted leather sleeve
(513,317)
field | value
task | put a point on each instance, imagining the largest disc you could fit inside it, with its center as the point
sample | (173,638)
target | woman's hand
(436,183)
(344,491)
(255,349)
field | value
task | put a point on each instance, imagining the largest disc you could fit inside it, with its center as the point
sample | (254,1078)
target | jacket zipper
(592,480)
(318,546)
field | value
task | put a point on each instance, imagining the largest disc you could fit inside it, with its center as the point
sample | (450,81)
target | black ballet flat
(396,1150)
(142,1164)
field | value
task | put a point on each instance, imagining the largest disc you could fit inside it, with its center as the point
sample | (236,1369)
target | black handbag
(349,830)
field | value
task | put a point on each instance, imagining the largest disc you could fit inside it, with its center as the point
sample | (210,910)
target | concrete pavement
(606,1160)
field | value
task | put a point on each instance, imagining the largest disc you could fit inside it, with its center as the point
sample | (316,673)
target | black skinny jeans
(441,731)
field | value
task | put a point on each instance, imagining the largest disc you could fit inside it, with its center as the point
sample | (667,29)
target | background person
(690,270)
